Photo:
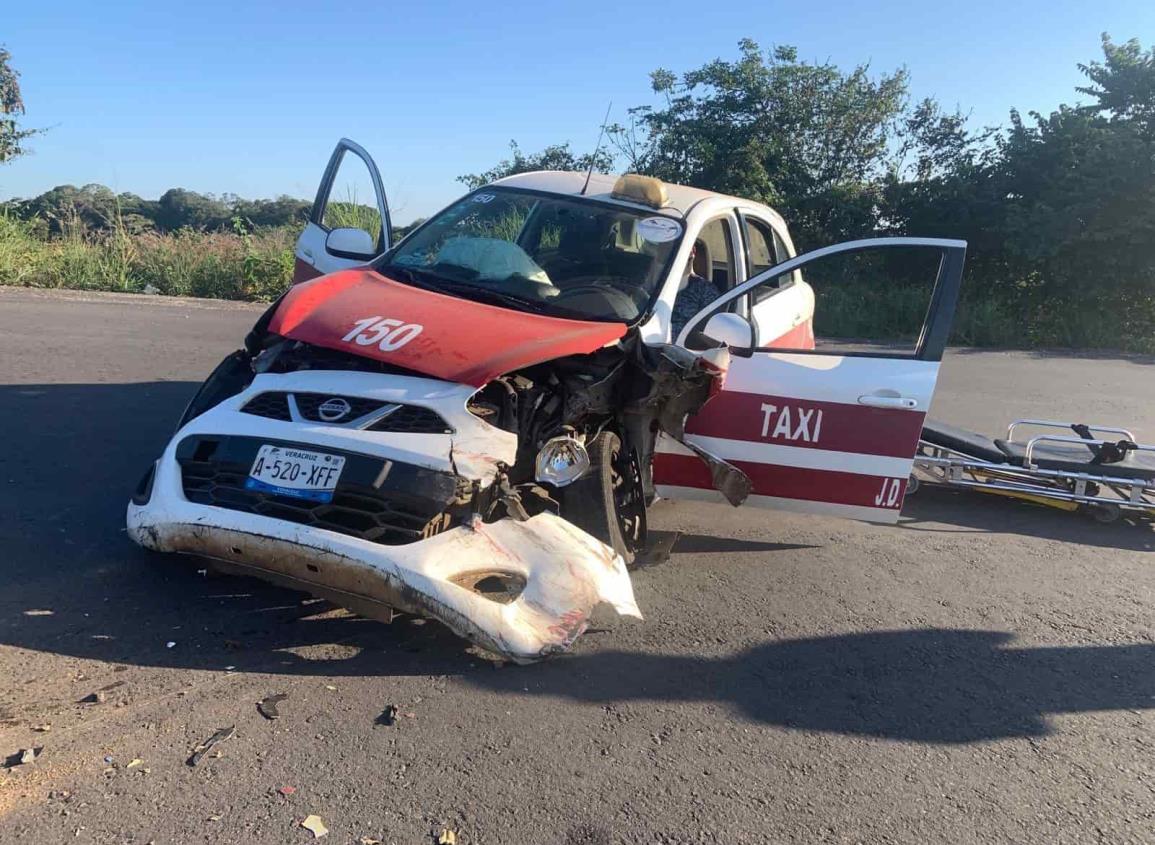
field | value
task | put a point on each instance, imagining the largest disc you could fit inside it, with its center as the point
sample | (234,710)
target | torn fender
(678,383)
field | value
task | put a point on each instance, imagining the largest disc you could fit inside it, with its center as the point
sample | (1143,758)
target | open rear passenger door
(349,224)
(832,429)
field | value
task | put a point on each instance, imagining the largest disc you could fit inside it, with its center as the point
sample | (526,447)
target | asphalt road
(984,672)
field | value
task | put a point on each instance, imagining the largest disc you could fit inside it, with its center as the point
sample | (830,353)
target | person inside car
(694,294)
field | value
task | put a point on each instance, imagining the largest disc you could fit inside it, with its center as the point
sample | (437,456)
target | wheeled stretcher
(1101,470)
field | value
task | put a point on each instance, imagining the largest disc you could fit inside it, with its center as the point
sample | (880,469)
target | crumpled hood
(368,314)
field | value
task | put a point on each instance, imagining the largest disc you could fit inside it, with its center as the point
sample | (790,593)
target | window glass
(875,300)
(535,252)
(352,200)
(714,254)
(760,241)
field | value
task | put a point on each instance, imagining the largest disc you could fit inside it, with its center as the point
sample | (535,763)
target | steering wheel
(616,298)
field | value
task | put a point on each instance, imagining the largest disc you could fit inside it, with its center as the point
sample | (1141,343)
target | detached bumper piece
(395,537)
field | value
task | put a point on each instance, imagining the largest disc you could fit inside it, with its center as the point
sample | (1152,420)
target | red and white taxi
(471,424)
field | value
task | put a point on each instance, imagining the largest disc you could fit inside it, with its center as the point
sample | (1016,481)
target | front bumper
(565,571)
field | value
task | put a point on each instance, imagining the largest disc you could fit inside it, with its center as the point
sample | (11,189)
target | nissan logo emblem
(334,410)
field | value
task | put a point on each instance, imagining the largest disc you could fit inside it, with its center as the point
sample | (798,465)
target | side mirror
(731,329)
(347,242)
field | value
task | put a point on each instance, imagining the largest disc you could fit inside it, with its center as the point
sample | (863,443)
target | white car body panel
(566,571)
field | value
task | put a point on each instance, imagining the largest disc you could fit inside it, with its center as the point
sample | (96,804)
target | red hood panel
(458,340)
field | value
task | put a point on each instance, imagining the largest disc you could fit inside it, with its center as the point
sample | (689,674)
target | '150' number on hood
(384,332)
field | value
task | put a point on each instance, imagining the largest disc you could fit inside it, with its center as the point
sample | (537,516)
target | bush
(219,265)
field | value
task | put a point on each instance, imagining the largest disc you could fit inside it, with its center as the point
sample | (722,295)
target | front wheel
(609,501)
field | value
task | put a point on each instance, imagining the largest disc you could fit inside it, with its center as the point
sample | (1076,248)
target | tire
(608,501)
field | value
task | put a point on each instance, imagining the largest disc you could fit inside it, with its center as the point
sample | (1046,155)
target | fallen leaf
(134,762)
(315,826)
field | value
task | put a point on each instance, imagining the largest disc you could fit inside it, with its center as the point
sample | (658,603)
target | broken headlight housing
(561,461)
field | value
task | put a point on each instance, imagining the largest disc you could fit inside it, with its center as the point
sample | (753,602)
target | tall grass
(220,265)
(259,265)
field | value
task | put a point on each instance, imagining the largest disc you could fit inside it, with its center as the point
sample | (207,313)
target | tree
(12,135)
(1123,84)
(554,157)
(807,138)
(178,208)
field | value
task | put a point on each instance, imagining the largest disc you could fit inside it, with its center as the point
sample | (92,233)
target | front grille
(383,502)
(275,406)
(413,419)
(308,403)
(407,419)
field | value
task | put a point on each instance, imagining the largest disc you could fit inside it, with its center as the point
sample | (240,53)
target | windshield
(535,252)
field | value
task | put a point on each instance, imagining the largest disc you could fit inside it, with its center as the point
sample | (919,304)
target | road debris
(41,729)
(315,826)
(368,840)
(22,757)
(170,644)
(134,762)
(100,695)
(201,750)
(39,612)
(388,716)
(447,837)
(287,790)
(267,706)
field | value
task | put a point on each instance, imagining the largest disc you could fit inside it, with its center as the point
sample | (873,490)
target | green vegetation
(224,265)
(1059,210)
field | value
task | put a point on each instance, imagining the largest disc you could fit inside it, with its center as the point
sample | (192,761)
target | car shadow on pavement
(922,685)
(938,510)
(72,583)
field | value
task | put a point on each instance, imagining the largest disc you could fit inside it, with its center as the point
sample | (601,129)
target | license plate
(287,471)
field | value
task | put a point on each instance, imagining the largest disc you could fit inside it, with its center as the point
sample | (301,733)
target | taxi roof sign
(641,189)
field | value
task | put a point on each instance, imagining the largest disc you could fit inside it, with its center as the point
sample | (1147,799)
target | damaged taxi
(471,424)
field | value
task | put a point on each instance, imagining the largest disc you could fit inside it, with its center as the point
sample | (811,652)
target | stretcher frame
(1103,495)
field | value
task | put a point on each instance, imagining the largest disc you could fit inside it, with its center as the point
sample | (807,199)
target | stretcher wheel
(1105,513)
(912,485)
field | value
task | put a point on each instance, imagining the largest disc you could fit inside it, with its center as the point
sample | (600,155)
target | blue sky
(248,97)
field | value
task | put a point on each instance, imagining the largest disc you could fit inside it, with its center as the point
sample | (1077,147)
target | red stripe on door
(813,485)
(788,421)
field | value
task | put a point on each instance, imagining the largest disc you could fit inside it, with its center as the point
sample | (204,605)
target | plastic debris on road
(388,716)
(267,706)
(315,826)
(201,750)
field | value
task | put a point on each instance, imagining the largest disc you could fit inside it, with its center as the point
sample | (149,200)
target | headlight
(561,461)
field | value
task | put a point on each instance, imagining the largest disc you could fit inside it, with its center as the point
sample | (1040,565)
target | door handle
(876,401)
